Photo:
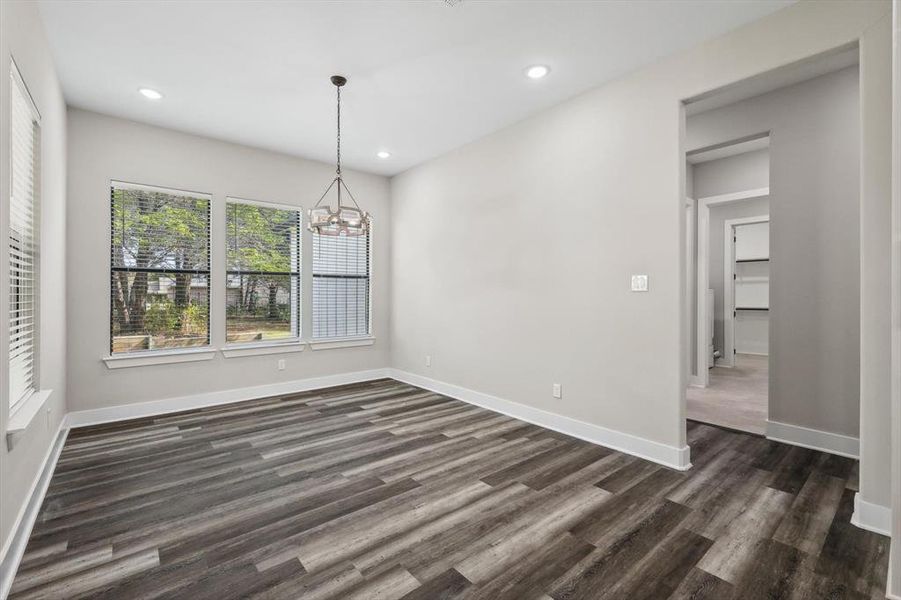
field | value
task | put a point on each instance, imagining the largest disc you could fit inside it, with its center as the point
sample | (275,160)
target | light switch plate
(639,283)
(557,390)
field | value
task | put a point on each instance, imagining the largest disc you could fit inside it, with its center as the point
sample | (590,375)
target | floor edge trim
(668,456)
(21,531)
(125,412)
(872,517)
(814,439)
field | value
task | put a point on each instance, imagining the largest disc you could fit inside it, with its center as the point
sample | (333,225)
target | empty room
(450,299)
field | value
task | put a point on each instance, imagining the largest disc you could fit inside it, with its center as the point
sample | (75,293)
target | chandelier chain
(339,131)
(343,220)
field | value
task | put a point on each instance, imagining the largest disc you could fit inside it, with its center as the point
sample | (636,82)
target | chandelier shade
(344,219)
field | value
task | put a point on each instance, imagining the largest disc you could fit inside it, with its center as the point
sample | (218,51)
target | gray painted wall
(508,296)
(22,36)
(875,264)
(527,323)
(738,173)
(102,148)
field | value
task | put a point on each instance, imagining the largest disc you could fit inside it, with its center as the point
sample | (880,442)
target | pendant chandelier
(344,220)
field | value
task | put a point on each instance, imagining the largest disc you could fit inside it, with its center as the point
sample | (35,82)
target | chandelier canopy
(344,219)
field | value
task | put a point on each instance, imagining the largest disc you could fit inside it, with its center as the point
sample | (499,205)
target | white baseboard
(872,517)
(109,414)
(15,545)
(815,439)
(890,592)
(670,456)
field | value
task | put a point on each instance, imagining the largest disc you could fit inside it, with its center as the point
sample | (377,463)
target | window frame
(341,341)
(234,349)
(33,391)
(217,293)
(160,355)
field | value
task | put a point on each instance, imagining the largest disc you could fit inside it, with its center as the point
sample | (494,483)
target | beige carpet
(736,397)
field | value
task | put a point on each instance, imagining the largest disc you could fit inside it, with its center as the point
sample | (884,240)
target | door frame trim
(703,273)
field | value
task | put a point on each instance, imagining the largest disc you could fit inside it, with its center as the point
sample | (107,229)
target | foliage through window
(263,272)
(340,286)
(160,279)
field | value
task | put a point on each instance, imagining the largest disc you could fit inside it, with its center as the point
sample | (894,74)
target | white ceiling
(424,77)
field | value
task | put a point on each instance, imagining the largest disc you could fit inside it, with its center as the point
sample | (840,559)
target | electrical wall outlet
(558,390)
(281,364)
(428,360)
(639,283)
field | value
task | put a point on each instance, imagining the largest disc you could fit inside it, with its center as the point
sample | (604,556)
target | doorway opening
(772,282)
(731,185)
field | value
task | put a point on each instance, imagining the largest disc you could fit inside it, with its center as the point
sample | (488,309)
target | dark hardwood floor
(383,490)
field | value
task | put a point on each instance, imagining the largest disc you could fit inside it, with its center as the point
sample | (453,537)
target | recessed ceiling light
(150,93)
(537,71)
(383,154)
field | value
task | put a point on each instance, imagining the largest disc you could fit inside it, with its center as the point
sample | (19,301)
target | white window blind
(340,286)
(160,269)
(24,243)
(263,272)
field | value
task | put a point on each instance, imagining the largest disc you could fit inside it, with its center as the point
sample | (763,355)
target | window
(263,272)
(340,286)
(24,242)
(160,278)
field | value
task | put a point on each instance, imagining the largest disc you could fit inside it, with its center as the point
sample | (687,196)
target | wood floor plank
(535,571)
(661,571)
(417,536)
(88,581)
(725,501)
(771,574)
(504,552)
(395,583)
(807,523)
(733,551)
(447,586)
(330,583)
(597,574)
(852,556)
(701,585)
(383,490)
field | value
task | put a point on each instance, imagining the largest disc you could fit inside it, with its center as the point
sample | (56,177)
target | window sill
(238,350)
(158,357)
(25,414)
(327,344)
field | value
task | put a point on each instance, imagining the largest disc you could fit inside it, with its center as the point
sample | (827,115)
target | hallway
(736,397)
